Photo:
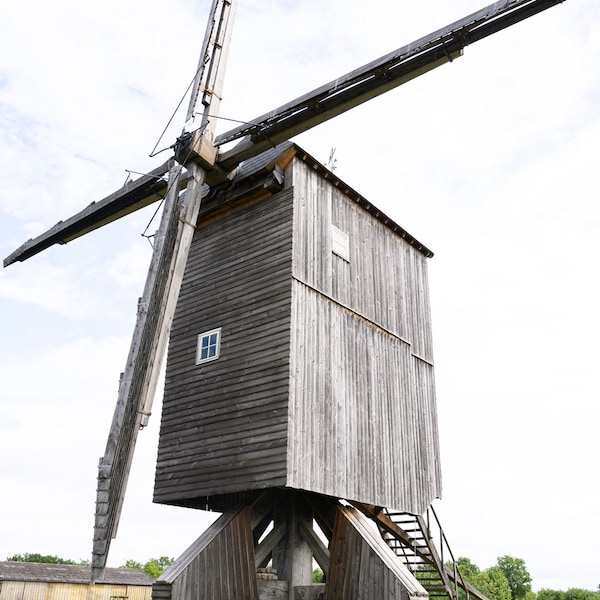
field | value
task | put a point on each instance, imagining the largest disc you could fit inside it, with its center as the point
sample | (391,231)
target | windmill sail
(137,382)
(155,313)
(373,79)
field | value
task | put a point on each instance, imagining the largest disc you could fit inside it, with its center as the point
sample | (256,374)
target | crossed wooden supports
(290,531)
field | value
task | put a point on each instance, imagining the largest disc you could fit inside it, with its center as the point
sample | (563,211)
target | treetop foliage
(493,584)
(467,569)
(571,594)
(154,566)
(517,575)
(46,559)
(509,579)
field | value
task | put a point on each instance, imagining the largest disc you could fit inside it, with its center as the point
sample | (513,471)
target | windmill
(196,151)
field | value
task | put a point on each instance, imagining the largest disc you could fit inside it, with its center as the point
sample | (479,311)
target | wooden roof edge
(362,201)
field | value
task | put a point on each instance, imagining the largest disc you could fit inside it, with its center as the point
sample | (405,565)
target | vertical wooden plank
(368,426)
(219,565)
(363,566)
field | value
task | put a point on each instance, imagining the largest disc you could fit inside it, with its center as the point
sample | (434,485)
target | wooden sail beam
(137,382)
(133,195)
(208,83)
(373,79)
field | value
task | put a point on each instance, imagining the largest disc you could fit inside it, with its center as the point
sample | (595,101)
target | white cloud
(50,287)
(130,267)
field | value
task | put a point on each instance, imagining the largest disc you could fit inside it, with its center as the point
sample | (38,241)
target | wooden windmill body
(300,364)
(324,376)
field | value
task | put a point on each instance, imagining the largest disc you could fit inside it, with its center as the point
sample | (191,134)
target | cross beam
(373,79)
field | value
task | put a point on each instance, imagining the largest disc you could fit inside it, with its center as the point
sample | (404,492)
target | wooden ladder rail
(427,552)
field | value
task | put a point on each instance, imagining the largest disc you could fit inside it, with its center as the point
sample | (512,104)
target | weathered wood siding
(224,423)
(26,590)
(363,421)
(35,590)
(362,418)
(219,565)
(385,279)
(363,566)
(325,380)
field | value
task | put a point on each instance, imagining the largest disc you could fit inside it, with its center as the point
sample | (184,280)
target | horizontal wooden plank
(247,380)
(211,413)
(224,425)
(200,467)
(192,442)
(265,477)
(265,408)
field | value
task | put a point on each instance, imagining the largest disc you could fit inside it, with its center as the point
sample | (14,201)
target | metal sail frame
(200,155)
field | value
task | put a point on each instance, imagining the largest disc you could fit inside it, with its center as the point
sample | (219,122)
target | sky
(490,161)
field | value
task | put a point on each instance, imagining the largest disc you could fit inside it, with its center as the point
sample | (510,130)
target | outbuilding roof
(52,573)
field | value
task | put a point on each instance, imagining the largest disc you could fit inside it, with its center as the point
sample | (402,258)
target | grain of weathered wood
(363,566)
(373,421)
(218,565)
(351,432)
(319,550)
(237,278)
(138,383)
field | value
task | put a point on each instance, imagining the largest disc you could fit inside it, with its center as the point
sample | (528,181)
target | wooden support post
(292,557)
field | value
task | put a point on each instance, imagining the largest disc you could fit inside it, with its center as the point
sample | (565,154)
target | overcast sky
(491,161)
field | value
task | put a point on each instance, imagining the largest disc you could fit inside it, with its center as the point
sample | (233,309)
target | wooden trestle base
(268,547)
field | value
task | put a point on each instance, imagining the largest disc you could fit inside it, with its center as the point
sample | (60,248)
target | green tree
(493,583)
(45,558)
(467,569)
(490,582)
(153,566)
(517,575)
(579,594)
(156,566)
(546,594)
(317,576)
(531,596)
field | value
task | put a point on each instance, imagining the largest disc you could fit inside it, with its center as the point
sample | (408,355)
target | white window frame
(340,243)
(207,335)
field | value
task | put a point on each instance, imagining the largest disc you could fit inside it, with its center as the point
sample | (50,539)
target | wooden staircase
(413,539)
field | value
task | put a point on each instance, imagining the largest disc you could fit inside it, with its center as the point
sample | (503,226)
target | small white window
(340,243)
(209,346)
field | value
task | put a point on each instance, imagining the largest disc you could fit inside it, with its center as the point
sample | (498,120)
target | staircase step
(435,588)
(419,554)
